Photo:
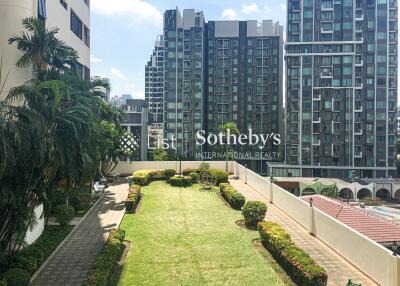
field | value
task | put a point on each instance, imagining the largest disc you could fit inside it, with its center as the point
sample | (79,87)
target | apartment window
(86,75)
(76,25)
(87,2)
(86,36)
(64,4)
(42,9)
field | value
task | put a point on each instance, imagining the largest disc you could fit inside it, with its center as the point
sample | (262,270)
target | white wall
(37,230)
(11,14)
(126,168)
(367,255)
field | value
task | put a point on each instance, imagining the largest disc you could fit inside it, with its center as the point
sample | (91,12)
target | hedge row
(297,263)
(143,177)
(234,198)
(102,272)
(133,198)
(180,181)
(219,175)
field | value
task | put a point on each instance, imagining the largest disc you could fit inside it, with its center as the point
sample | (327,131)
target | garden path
(72,260)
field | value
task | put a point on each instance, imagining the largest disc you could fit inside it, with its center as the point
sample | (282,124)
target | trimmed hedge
(297,263)
(188,171)
(234,198)
(33,256)
(180,181)
(17,277)
(102,272)
(254,212)
(219,175)
(133,198)
(195,177)
(143,177)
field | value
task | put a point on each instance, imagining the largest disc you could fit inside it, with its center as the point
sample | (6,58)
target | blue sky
(123,33)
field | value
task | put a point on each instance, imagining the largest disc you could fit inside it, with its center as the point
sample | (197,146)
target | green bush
(133,198)
(3,282)
(102,272)
(180,181)
(64,214)
(188,171)
(219,175)
(168,173)
(297,263)
(195,177)
(33,256)
(234,198)
(17,277)
(254,212)
(143,177)
(204,167)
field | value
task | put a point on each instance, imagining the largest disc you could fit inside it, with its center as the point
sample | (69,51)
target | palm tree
(228,128)
(41,49)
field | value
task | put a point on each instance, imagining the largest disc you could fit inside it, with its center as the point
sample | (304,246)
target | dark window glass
(76,25)
(62,2)
(87,2)
(86,36)
(42,9)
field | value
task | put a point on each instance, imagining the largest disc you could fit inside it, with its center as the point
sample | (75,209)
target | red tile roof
(372,226)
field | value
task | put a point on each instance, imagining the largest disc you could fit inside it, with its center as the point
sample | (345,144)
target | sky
(123,33)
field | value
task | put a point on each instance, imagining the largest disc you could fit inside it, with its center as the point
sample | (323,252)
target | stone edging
(65,239)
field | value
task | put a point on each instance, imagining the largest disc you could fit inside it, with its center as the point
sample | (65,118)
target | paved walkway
(338,269)
(71,263)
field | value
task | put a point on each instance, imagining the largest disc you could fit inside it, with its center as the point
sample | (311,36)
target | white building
(72,17)
(100,88)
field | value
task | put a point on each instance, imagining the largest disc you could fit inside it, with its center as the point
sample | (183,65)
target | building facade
(136,123)
(243,84)
(341,63)
(184,85)
(101,88)
(72,18)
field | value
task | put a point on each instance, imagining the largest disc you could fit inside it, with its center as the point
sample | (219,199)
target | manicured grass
(183,236)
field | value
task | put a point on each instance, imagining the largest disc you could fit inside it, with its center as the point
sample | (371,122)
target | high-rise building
(184,69)
(154,82)
(243,84)
(341,63)
(72,18)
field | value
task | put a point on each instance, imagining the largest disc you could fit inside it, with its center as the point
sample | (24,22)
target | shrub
(102,272)
(180,181)
(188,171)
(234,198)
(204,167)
(3,282)
(133,198)
(219,175)
(31,257)
(17,277)
(195,177)
(64,214)
(143,177)
(254,212)
(299,265)
(168,173)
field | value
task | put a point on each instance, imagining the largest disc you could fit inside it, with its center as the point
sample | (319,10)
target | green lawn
(183,236)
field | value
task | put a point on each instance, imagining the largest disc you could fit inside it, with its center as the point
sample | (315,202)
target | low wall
(367,255)
(36,231)
(126,168)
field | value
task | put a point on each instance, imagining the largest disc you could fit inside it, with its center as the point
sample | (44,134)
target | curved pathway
(338,269)
(72,260)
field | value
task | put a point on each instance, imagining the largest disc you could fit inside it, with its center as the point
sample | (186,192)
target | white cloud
(117,73)
(229,14)
(95,60)
(267,9)
(138,10)
(283,7)
(249,8)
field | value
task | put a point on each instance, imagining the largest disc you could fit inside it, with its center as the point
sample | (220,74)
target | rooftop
(374,227)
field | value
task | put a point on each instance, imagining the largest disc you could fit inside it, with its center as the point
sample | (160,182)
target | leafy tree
(225,129)
(160,154)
